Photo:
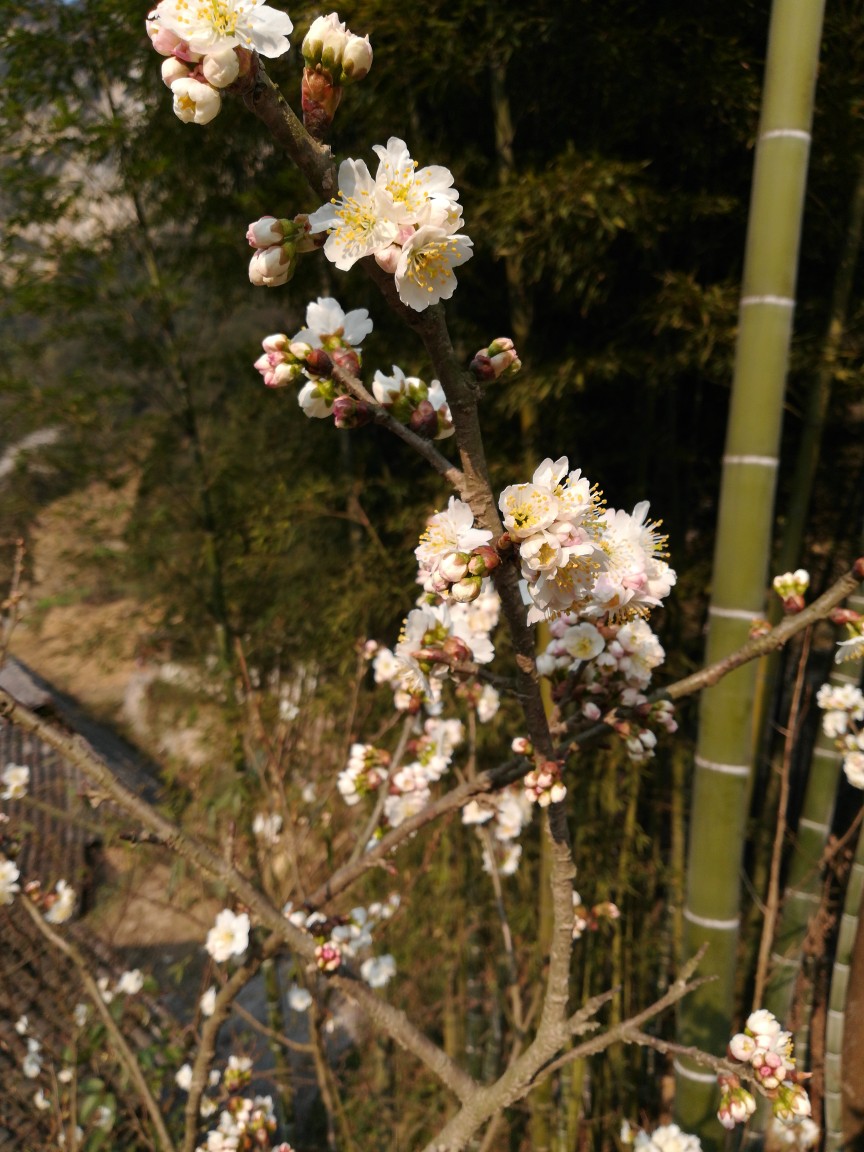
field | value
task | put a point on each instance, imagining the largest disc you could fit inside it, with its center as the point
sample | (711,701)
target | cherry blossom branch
(225,997)
(538,1061)
(121,1049)
(384,1015)
(422,447)
(769,642)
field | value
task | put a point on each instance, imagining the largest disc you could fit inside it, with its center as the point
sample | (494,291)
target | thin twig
(119,1047)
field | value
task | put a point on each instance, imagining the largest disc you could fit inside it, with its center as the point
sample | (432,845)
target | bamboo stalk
(725,743)
(836,1022)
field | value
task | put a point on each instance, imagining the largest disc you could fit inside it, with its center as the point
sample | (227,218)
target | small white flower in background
(299,998)
(79,1015)
(22,1024)
(853,766)
(667,1138)
(183,1077)
(130,983)
(15,779)
(40,1101)
(229,936)
(267,826)
(378,970)
(207,1003)
(103,1117)
(797,1137)
(63,905)
(104,991)
(208,1107)
(194,102)
(209,26)
(32,1064)
(65,1075)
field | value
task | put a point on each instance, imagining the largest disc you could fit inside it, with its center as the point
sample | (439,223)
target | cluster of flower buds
(453,556)
(334,57)
(245,1124)
(791,587)
(767,1049)
(238,1073)
(277,244)
(590,919)
(737,1105)
(544,785)
(15,779)
(364,773)
(202,57)
(328,956)
(499,361)
(330,341)
(422,407)
(341,938)
(843,722)
(505,813)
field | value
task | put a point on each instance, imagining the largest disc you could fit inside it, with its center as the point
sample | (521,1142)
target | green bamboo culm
(726,739)
(802,895)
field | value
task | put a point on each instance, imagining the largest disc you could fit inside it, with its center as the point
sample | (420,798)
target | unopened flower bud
(467,589)
(265,232)
(221,68)
(172,70)
(350,413)
(522,746)
(299,350)
(453,566)
(318,363)
(319,99)
(424,420)
(456,650)
(273,266)
(347,359)
(356,59)
(483,560)
(481,367)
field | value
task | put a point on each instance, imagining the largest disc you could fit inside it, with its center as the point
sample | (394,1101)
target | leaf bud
(424,420)
(350,413)
(318,363)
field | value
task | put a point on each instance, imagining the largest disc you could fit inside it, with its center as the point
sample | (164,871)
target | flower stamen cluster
(577,556)
(407,217)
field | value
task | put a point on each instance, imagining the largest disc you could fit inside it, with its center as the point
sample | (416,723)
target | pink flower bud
(483,560)
(265,232)
(347,359)
(424,420)
(173,69)
(318,363)
(456,650)
(481,367)
(522,746)
(278,342)
(350,413)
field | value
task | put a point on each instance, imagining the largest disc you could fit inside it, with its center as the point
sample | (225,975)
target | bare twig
(119,1047)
